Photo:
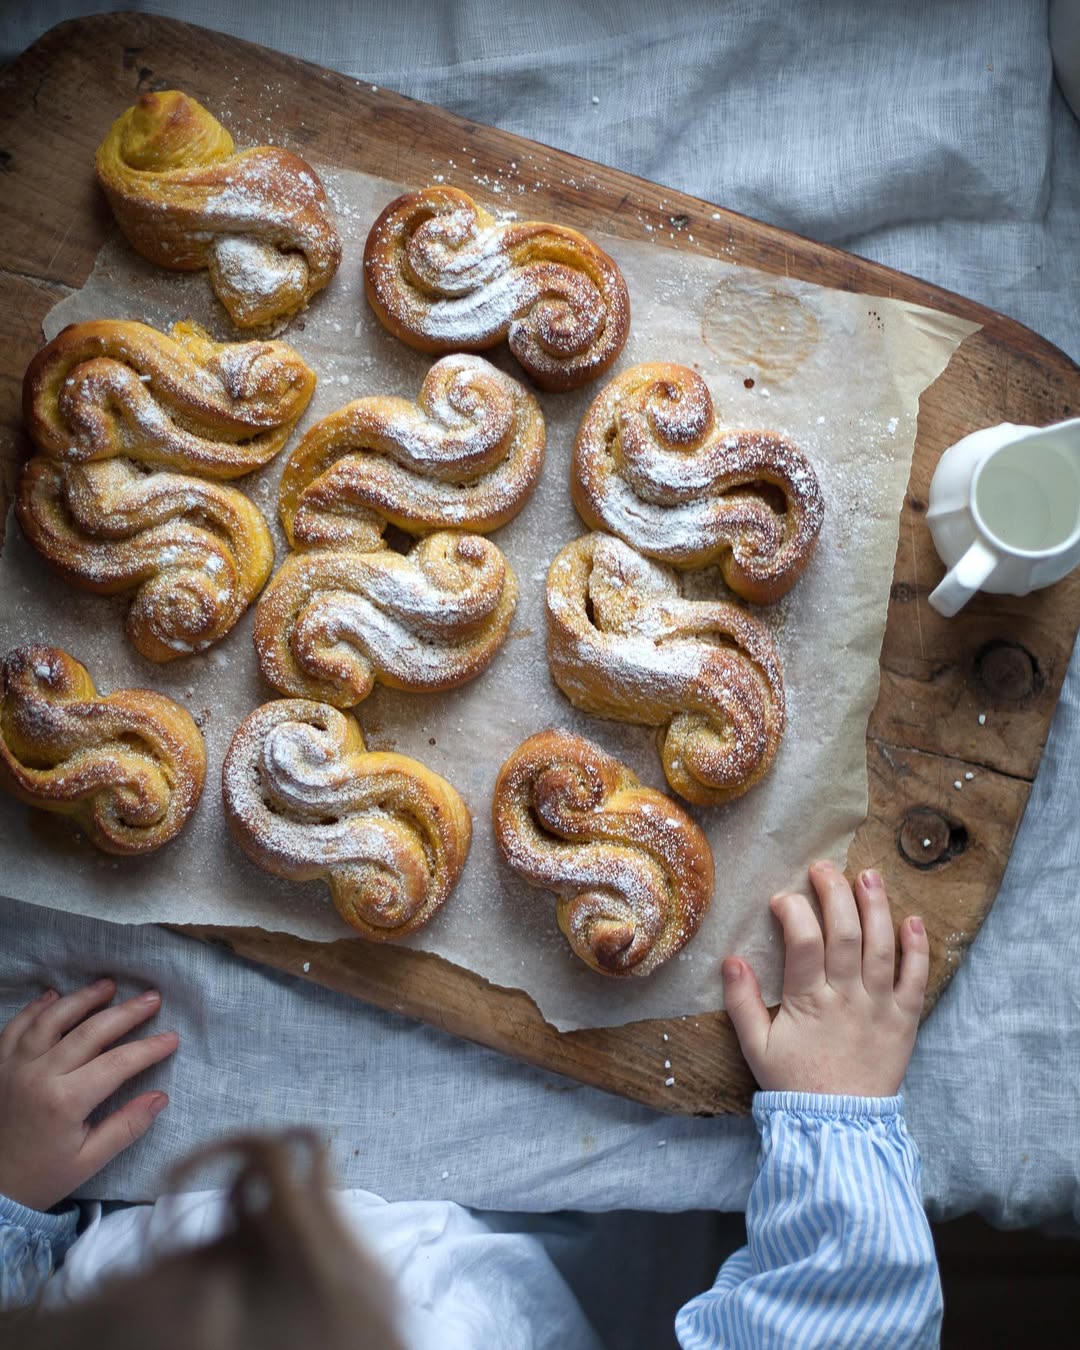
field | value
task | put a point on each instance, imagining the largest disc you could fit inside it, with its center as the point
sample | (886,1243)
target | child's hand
(844,1027)
(55,1067)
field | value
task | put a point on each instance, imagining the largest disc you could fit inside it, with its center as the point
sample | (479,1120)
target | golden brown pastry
(465,456)
(651,465)
(195,553)
(117,407)
(345,610)
(623,643)
(257,219)
(127,766)
(178,400)
(445,275)
(306,800)
(332,622)
(632,872)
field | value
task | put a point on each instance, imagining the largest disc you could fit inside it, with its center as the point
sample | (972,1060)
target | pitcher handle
(963,579)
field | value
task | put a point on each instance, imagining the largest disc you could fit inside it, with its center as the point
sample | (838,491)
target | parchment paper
(839,373)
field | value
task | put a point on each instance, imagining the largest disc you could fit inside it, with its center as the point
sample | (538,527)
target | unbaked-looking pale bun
(632,872)
(443,274)
(651,466)
(257,220)
(307,801)
(128,767)
(623,643)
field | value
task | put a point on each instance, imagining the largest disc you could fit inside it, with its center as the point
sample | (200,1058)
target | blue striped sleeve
(32,1244)
(839,1252)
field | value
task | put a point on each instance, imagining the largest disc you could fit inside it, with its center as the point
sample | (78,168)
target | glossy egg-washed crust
(651,466)
(632,873)
(443,274)
(623,643)
(307,801)
(128,767)
(256,219)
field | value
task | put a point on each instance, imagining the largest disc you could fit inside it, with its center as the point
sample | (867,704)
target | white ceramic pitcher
(1004,511)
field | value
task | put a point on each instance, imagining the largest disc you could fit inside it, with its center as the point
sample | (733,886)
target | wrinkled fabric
(928,136)
(458,1283)
(838,1250)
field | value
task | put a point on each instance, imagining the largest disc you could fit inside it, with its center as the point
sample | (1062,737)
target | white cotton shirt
(462,1286)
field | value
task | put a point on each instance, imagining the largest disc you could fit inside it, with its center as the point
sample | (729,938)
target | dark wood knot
(929,839)
(1008,672)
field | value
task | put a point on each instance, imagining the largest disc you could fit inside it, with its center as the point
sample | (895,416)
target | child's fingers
(120,1129)
(98,1032)
(101,1077)
(804,946)
(63,1014)
(13,1032)
(878,941)
(744,1005)
(840,919)
(914,966)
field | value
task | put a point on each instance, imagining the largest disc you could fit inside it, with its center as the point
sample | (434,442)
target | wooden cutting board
(1002,658)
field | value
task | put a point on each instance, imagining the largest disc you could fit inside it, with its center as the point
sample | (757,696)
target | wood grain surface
(1002,657)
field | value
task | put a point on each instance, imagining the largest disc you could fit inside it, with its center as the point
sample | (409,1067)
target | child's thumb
(746,1008)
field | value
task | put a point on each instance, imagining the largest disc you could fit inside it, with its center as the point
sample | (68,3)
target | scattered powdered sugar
(758,843)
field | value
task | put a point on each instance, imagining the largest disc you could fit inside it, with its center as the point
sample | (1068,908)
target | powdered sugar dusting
(855,380)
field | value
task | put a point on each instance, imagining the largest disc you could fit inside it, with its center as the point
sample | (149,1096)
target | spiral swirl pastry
(174,400)
(257,220)
(333,622)
(632,872)
(306,800)
(444,275)
(466,455)
(623,643)
(128,767)
(651,465)
(195,553)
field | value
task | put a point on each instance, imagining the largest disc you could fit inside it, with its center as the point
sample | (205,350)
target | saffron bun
(622,642)
(128,766)
(306,800)
(633,874)
(651,466)
(443,274)
(256,220)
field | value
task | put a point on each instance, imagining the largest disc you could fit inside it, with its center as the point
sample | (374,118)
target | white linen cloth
(926,135)
(458,1284)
